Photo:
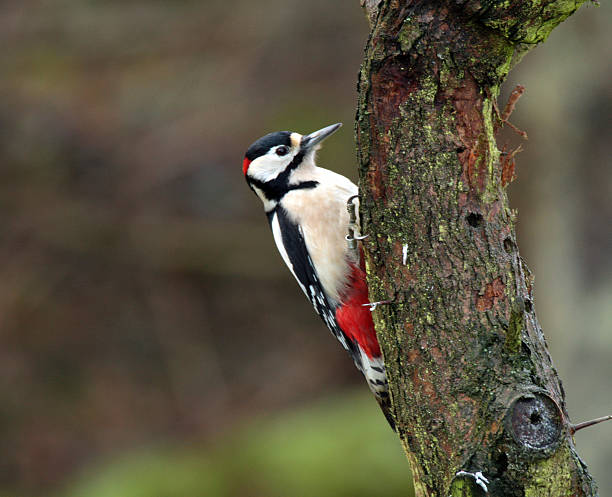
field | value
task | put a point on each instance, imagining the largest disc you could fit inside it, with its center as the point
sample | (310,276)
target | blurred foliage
(336,448)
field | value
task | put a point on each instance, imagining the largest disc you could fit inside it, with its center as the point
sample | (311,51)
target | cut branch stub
(535,422)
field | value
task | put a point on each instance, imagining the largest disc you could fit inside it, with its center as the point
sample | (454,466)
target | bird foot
(374,305)
(479,478)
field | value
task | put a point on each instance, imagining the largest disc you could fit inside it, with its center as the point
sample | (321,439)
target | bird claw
(374,305)
(350,238)
(479,478)
(353,235)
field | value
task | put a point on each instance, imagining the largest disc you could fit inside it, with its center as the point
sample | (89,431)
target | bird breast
(322,215)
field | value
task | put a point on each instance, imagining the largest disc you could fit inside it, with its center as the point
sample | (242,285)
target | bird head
(276,154)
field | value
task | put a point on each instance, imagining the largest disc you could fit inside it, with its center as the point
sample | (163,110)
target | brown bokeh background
(142,301)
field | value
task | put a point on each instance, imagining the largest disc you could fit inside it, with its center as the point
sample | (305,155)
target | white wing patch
(278,239)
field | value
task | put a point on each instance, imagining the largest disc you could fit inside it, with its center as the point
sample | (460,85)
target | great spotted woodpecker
(306,207)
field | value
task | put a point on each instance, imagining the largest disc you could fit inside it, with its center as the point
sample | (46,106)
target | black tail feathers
(385,406)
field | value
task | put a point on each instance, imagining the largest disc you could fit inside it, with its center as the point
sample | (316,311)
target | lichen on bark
(463,348)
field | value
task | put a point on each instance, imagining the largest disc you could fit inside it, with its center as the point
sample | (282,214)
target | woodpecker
(306,206)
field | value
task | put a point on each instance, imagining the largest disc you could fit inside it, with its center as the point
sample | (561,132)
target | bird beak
(311,140)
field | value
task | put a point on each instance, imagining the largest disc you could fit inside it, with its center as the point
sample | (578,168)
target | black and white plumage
(306,208)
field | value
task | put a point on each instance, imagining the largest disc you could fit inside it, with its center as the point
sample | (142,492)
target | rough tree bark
(472,383)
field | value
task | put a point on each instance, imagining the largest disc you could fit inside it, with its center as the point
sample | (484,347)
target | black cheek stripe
(275,189)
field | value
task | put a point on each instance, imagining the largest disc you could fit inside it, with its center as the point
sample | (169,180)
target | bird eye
(282,150)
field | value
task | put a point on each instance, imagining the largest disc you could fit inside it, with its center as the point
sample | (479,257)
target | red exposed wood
(491,295)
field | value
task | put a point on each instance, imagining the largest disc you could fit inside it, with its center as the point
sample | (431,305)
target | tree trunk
(472,383)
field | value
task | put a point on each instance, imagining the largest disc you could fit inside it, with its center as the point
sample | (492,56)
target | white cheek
(269,166)
(264,168)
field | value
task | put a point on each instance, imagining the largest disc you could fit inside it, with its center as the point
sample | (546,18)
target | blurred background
(152,343)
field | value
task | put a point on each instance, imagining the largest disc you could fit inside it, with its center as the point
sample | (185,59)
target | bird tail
(385,405)
(373,368)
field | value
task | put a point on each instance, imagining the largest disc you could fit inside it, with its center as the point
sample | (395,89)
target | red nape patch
(245,165)
(355,319)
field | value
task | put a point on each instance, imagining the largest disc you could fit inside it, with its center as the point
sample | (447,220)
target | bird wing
(292,247)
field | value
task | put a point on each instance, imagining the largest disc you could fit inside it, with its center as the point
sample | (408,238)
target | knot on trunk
(535,422)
